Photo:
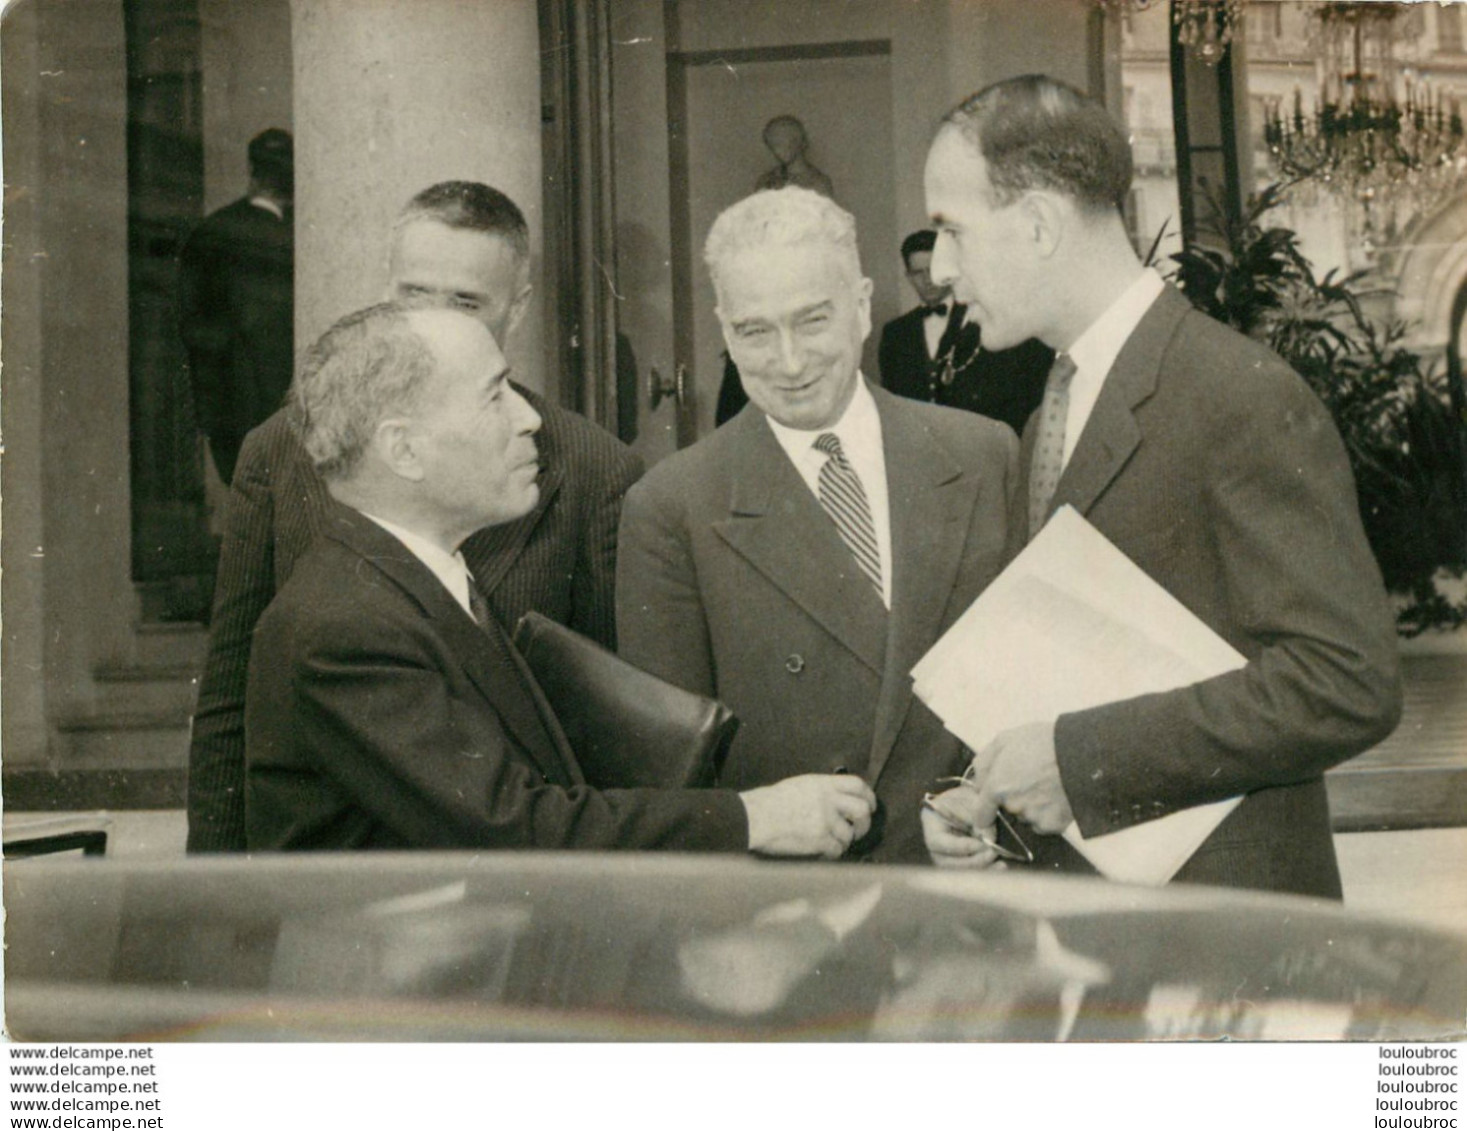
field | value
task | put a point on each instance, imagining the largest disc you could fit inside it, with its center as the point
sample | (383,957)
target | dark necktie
(844,499)
(949,340)
(1049,441)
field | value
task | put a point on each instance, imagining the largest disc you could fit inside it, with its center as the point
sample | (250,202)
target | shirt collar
(1095,351)
(858,425)
(269,206)
(450,569)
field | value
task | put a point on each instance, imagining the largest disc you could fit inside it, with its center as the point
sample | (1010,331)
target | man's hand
(811,815)
(1019,771)
(959,827)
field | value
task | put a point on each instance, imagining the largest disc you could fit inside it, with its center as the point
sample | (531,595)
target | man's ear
(724,329)
(519,307)
(395,442)
(1045,216)
(863,306)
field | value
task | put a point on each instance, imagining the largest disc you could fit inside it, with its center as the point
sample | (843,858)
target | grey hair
(782,217)
(470,207)
(369,365)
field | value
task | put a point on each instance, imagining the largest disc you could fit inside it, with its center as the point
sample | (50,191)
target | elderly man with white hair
(799,561)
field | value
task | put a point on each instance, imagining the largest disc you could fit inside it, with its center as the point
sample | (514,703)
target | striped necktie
(1049,441)
(844,499)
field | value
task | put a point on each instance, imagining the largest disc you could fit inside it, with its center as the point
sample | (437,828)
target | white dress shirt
(269,206)
(859,430)
(1095,351)
(451,569)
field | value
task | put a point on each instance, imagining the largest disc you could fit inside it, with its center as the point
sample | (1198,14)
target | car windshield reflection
(565,946)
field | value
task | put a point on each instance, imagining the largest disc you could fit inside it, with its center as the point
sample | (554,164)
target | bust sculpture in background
(785,137)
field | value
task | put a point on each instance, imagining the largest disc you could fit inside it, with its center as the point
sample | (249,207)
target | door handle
(659,389)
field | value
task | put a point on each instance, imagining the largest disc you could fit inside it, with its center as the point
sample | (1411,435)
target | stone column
(391,96)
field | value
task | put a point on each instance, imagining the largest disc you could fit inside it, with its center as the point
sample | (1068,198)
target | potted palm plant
(1400,417)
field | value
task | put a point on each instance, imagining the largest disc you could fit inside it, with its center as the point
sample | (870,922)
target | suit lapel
(486,658)
(1111,435)
(778,526)
(929,497)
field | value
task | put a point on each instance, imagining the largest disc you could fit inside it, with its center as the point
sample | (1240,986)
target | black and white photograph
(938,522)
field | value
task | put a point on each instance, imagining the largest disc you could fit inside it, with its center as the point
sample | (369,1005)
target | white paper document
(1073,623)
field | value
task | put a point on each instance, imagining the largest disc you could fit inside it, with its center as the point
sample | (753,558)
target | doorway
(173,555)
(688,133)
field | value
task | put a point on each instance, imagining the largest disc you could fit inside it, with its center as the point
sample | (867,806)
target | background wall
(22,691)
(389,98)
(644,285)
(248,79)
(67,583)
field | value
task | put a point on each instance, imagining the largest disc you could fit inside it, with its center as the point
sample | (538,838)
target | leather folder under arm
(628,728)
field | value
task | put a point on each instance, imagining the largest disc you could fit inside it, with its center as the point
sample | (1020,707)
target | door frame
(579,205)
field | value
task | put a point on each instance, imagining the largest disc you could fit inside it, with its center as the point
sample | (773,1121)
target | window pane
(1146,73)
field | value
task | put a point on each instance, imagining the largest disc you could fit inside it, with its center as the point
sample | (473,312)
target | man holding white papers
(1203,459)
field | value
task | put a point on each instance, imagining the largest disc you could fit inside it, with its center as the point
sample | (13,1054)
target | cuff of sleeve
(1088,786)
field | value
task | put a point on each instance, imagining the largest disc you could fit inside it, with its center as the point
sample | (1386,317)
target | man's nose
(790,361)
(944,268)
(526,419)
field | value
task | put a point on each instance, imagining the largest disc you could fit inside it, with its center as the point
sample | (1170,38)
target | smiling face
(794,319)
(472,433)
(986,252)
(476,273)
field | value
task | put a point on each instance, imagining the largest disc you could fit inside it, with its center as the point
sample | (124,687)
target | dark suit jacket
(237,319)
(1213,467)
(559,560)
(381,716)
(1005,385)
(733,582)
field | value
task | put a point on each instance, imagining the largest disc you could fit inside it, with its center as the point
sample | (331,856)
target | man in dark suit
(462,245)
(934,352)
(1208,463)
(797,562)
(386,706)
(237,303)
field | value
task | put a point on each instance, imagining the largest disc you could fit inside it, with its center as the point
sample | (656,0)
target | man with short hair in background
(387,707)
(464,246)
(797,562)
(935,351)
(237,303)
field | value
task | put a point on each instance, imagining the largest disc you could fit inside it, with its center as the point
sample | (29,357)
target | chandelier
(1203,26)
(1376,135)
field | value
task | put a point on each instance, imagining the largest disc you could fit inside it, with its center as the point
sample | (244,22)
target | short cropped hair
(1035,132)
(272,161)
(368,366)
(924,240)
(780,218)
(472,207)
